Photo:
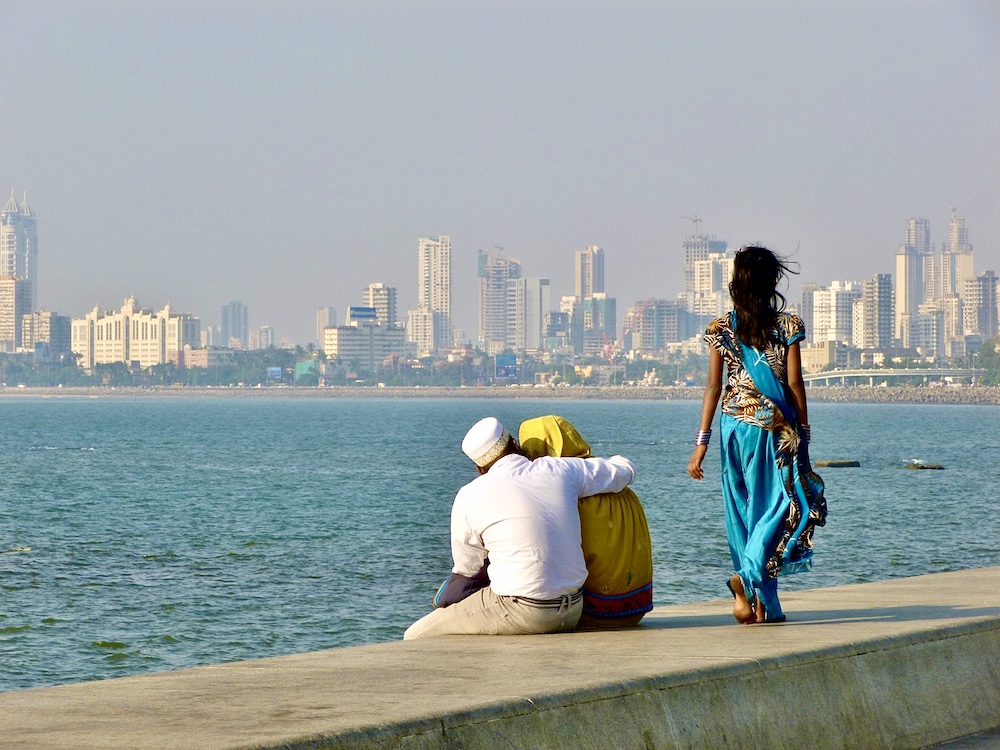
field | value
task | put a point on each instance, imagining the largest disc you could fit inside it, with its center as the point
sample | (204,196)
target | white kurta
(523,515)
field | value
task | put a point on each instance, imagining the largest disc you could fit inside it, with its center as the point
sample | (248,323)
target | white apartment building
(48,328)
(433,295)
(979,306)
(951,309)
(698,249)
(364,344)
(709,295)
(15,303)
(873,318)
(654,324)
(326,317)
(928,331)
(205,357)
(260,338)
(528,299)
(588,271)
(132,335)
(383,298)
(495,272)
(908,283)
(833,311)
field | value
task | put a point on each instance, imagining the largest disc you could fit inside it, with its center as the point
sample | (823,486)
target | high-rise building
(654,324)
(949,272)
(698,248)
(495,271)
(600,323)
(261,338)
(709,294)
(15,298)
(326,317)
(573,308)
(908,282)
(132,335)
(420,331)
(589,272)
(918,235)
(943,274)
(979,306)
(528,299)
(235,331)
(433,295)
(557,332)
(48,329)
(383,299)
(873,320)
(958,234)
(19,246)
(833,311)
(961,261)
(806,309)
(927,334)
(950,306)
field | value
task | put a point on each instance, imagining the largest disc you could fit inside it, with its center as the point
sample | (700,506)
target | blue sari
(774,500)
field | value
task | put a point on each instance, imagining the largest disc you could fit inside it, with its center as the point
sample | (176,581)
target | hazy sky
(286,154)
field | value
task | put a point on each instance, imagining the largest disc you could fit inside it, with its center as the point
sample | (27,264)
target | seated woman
(616,545)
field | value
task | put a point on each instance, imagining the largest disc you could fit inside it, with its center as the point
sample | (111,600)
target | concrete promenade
(905,663)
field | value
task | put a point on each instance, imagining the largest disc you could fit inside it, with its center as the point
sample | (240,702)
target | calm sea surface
(147,534)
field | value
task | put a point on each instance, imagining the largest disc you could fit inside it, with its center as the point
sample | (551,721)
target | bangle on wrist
(702,437)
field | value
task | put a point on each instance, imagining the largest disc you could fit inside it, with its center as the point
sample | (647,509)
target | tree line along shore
(977,395)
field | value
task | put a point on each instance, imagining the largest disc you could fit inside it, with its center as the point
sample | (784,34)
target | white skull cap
(485,441)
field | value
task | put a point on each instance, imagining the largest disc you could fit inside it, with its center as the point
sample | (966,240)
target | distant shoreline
(980,395)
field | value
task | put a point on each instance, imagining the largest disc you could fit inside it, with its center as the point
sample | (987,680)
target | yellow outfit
(616,544)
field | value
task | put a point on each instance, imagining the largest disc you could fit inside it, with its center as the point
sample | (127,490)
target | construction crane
(694,220)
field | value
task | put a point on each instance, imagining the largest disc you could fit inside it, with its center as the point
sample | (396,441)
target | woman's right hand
(694,465)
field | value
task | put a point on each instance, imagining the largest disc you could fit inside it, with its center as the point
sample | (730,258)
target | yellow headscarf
(551,436)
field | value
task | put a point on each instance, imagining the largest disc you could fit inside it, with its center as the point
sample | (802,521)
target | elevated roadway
(890,376)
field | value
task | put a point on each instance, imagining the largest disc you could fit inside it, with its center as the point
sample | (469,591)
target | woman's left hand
(694,465)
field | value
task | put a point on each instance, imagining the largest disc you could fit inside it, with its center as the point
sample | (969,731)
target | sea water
(143,534)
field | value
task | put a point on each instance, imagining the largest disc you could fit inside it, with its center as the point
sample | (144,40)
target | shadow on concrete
(909,613)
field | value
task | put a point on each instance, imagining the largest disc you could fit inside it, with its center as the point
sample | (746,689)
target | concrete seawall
(905,663)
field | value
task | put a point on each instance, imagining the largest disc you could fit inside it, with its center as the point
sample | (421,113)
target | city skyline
(194,153)
(931,271)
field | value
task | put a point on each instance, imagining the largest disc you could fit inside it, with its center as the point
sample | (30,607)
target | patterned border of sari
(804,487)
(618,605)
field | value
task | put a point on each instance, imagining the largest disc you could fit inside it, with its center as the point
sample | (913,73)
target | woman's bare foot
(760,615)
(742,610)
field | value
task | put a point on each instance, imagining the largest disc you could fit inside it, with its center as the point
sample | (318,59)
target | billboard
(274,373)
(505,366)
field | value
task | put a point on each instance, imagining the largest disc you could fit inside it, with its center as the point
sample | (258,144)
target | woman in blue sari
(773,500)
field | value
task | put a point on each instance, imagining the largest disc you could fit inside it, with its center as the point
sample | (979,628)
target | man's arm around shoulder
(607,475)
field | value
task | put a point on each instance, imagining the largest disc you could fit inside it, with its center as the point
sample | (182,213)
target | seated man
(523,516)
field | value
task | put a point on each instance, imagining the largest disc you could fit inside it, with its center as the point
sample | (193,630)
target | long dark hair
(755,295)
